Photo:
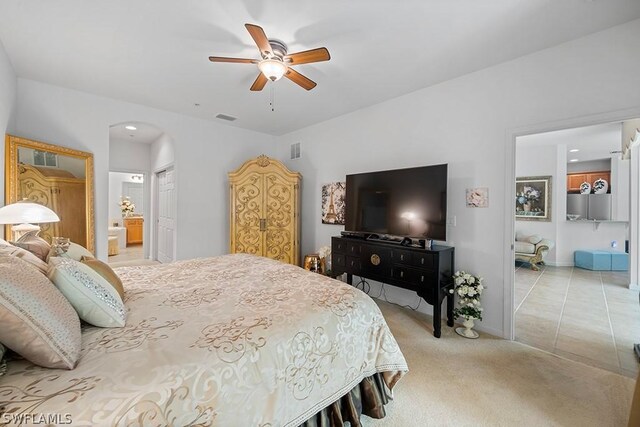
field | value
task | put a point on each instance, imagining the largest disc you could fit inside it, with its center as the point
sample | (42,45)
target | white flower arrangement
(126,206)
(324,251)
(468,288)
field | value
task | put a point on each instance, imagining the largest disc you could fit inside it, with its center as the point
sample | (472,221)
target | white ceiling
(144,133)
(154,52)
(594,142)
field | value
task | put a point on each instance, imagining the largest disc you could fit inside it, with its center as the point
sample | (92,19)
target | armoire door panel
(248,209)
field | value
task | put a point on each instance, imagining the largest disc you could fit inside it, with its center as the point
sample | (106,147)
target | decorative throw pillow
(7,249)
(76,252)
(106,272)
(95,300)
(34,244)
(37,321)
(3,363)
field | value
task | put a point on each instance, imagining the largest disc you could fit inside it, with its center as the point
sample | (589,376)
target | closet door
(280,210)
(247,210)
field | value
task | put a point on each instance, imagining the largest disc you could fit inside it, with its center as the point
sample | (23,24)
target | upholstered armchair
(532,249)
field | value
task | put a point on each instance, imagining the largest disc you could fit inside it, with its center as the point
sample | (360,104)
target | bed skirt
(368,398)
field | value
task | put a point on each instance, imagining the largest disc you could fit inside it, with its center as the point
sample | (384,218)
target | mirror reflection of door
(58,182)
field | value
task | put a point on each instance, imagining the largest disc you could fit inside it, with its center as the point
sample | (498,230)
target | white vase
(468,331)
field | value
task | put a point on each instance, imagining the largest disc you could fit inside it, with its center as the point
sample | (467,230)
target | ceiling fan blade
(234,60)
(299,79)
(258,35)
(308,56)
(258,85)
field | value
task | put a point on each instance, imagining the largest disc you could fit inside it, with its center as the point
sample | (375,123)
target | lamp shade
(272,69)
(26,212)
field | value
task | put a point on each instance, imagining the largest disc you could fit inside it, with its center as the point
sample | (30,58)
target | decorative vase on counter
(600,186)
(527,207)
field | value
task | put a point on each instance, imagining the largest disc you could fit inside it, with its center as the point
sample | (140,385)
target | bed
(232,340)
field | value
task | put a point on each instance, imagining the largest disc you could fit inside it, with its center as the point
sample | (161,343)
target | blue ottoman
(619,261)
(592,260)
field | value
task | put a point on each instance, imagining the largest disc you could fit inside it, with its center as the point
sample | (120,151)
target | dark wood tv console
(428,272)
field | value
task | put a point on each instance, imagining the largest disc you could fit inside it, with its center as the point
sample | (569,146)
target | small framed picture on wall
(333,203)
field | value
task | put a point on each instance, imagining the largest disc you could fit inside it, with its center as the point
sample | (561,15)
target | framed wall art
(333,203)
(477,197)
(533,198)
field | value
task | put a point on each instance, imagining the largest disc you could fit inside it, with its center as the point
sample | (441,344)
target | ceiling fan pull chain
(272,98)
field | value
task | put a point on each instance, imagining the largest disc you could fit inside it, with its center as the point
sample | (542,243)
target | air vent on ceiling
(225,117)
(295,150)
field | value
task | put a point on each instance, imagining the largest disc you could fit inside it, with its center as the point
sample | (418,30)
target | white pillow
(95,300)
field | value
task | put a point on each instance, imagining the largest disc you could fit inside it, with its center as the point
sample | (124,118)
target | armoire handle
(263,224)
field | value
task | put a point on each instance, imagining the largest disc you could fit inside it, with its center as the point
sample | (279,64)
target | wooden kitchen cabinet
(575,179)
(134,228)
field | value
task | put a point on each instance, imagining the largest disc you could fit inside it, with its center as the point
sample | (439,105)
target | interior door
(166,223)
(247,202)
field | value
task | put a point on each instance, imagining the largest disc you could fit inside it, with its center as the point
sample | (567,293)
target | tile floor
(130,253)
(582,315)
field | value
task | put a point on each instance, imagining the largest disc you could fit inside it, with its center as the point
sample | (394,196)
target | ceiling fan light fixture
(273,69)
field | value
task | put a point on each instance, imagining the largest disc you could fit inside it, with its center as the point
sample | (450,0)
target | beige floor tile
(600,318)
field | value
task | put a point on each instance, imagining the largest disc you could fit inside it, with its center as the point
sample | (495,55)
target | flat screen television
(402,202)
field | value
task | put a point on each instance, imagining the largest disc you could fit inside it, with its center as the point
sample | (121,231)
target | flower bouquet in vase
(468,288)
(126,207)
(325,259)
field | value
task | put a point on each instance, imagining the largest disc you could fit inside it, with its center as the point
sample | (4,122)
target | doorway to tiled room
(572,293)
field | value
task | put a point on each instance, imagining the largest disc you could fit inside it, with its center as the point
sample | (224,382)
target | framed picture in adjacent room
(333,203)
(533,198)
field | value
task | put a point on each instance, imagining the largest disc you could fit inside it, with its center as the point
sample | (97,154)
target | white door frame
(510,201)
(156,208)
(146,190)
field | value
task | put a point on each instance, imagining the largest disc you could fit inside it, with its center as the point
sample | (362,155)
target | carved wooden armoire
(60,191)
(265,210)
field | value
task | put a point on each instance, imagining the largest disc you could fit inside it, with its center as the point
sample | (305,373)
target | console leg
(450,300)
(437,321)
(350,279)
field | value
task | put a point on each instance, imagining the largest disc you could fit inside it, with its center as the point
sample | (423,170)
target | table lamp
(24,213)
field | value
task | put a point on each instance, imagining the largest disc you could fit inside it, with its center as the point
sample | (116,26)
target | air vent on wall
(295,150)
(225,117)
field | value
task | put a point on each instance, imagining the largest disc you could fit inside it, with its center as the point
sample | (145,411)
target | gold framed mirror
(58,177)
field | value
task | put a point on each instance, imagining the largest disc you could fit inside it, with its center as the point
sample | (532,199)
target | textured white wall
(204,152)
(8,90)
(468,123)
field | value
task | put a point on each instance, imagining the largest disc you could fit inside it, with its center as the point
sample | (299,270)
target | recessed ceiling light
(130,127)
(573,160)
(574,150)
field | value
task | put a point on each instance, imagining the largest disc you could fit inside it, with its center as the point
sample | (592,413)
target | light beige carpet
(455,381)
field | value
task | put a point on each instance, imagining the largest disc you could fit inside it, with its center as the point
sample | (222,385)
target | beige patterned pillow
(37,321)
(34,244)
(93,297)
(3,363)
(7,249)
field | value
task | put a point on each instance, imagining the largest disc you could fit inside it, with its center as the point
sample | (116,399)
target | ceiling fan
(275,61)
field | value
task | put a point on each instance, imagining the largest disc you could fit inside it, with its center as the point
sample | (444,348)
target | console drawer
(376,260)
(406,274)
(338,246)
(338,260)
(402,256)
(423,260)
(354,248)
(353,265)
